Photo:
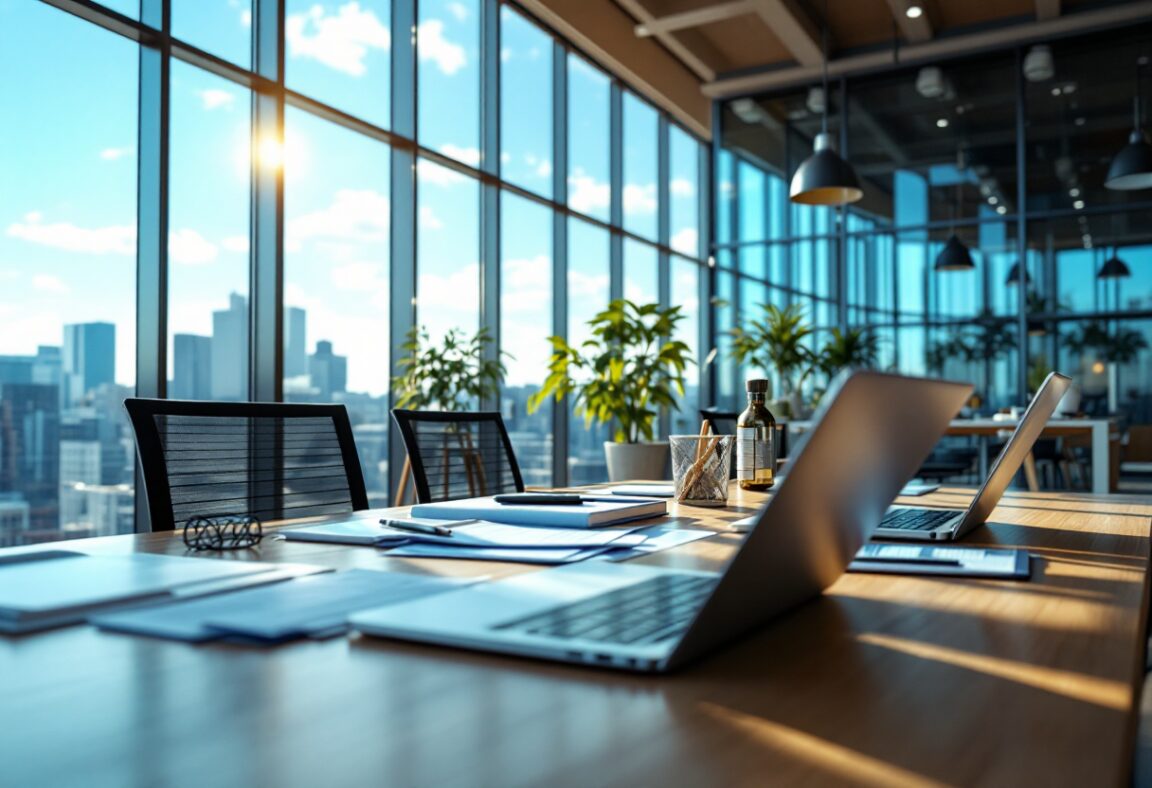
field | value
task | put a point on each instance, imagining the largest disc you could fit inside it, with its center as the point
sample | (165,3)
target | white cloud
(114,239)
(246,18)
(357,276)
(586,194)
(431,45)
(214,98)
(639,198)
(544,169)
(49,283)
(339,41)
(527,285)
(582,285)
(446,294)
(112,154)
(685,241)
(467,155)
(355,215)
(236,243)
(188,247)
(681,187)
(429,172)
(459,11)
(428,219)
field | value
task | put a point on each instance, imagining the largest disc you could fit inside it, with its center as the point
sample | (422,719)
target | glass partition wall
(267,196)
(1014,167)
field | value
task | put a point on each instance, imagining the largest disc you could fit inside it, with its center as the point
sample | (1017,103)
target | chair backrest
(274,461)
(458,455)
(723,422)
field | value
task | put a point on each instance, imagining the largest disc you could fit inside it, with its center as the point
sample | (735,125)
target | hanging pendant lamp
(1114,268)
(824,178)
(955,255)
(1014,276)
(1132,167)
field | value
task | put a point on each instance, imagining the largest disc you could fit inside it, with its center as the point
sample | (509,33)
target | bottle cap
(758,386)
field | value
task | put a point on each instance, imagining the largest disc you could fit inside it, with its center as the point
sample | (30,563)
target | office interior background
(256,200)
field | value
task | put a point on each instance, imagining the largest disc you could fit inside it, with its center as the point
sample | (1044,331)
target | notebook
(477,534)
(902,559)
(593,512)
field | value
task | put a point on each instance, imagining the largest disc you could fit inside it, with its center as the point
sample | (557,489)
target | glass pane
(448,77)
(68,276)
(686,295)
(640,166)
(752,193)
(525,82)
(684,192)
(525,324)
(129,8)
(589,95)
(641,272)
(588,294)
(208,237)
(222,27)
(447,250)
(336,273)
(339,53)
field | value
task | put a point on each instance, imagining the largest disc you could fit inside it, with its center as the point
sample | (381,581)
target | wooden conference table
(884,680)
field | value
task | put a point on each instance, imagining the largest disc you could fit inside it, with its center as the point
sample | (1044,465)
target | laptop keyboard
(643,613)
(917,519)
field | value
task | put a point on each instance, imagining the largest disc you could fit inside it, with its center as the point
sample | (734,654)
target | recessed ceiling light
(1074,192)
(1078,205)
(941,123)
(993,200)
(1000,209)
(914,11)
(1079,121)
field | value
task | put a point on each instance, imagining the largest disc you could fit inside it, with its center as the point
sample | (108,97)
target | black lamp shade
(1014,276)
(1132,167)
(1114,268)
(824,178)
(954,256)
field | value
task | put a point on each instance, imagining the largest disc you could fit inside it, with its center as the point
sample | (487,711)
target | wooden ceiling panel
(964,13)
(745,42)
(860,23)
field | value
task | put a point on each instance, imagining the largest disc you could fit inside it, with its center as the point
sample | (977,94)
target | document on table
(525,555)
(929,560)
(307,606)
(477,533)
(659,537)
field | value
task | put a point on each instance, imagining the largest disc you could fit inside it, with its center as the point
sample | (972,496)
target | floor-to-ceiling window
(325,184)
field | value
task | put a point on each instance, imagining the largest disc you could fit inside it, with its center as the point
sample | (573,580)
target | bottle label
(751,453)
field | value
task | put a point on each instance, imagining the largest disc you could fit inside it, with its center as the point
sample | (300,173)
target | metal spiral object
(222,533)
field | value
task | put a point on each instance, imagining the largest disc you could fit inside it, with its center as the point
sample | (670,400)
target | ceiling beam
(1047,9)
(697,17)
(699,66)
(915,31)
(935,50)
(795,29)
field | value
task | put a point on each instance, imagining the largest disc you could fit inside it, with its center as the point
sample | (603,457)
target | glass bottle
(756,441)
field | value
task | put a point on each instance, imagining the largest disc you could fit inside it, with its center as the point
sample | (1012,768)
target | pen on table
(421,528)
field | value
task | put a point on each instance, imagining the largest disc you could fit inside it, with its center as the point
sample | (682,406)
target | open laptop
(906,522)
(871,435)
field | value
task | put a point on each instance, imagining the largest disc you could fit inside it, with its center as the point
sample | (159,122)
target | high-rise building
(295,342)
(328,371)
(191,367)
(89,358)
(30,448)
(229,353)
(48,365)
(14,519)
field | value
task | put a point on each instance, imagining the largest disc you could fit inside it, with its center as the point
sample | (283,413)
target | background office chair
(269,460)
(457,455)
(723,422)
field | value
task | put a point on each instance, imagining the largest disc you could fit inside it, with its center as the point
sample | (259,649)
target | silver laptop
(907,522)
(870,437)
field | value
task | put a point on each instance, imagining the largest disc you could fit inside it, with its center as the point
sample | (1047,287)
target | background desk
(884,680)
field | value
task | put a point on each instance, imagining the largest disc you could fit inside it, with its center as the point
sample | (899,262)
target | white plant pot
(637,461)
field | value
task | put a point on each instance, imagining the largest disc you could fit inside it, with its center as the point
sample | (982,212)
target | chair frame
(154,468)
(413,460)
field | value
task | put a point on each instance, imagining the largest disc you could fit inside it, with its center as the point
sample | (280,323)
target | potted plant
(623,375)
(777,343)
(856,348)
(1115,348)
(453,376)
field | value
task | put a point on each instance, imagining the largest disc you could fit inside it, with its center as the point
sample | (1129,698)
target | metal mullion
(560,415)
(490,252)
(266,293)
(616,190)
(152,226)
(663,232)
(1021,234)
(706,159)
(110,20)
(402,202)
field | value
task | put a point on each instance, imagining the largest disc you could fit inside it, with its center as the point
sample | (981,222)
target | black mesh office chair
(458,455)
(274,461)
(723,422)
